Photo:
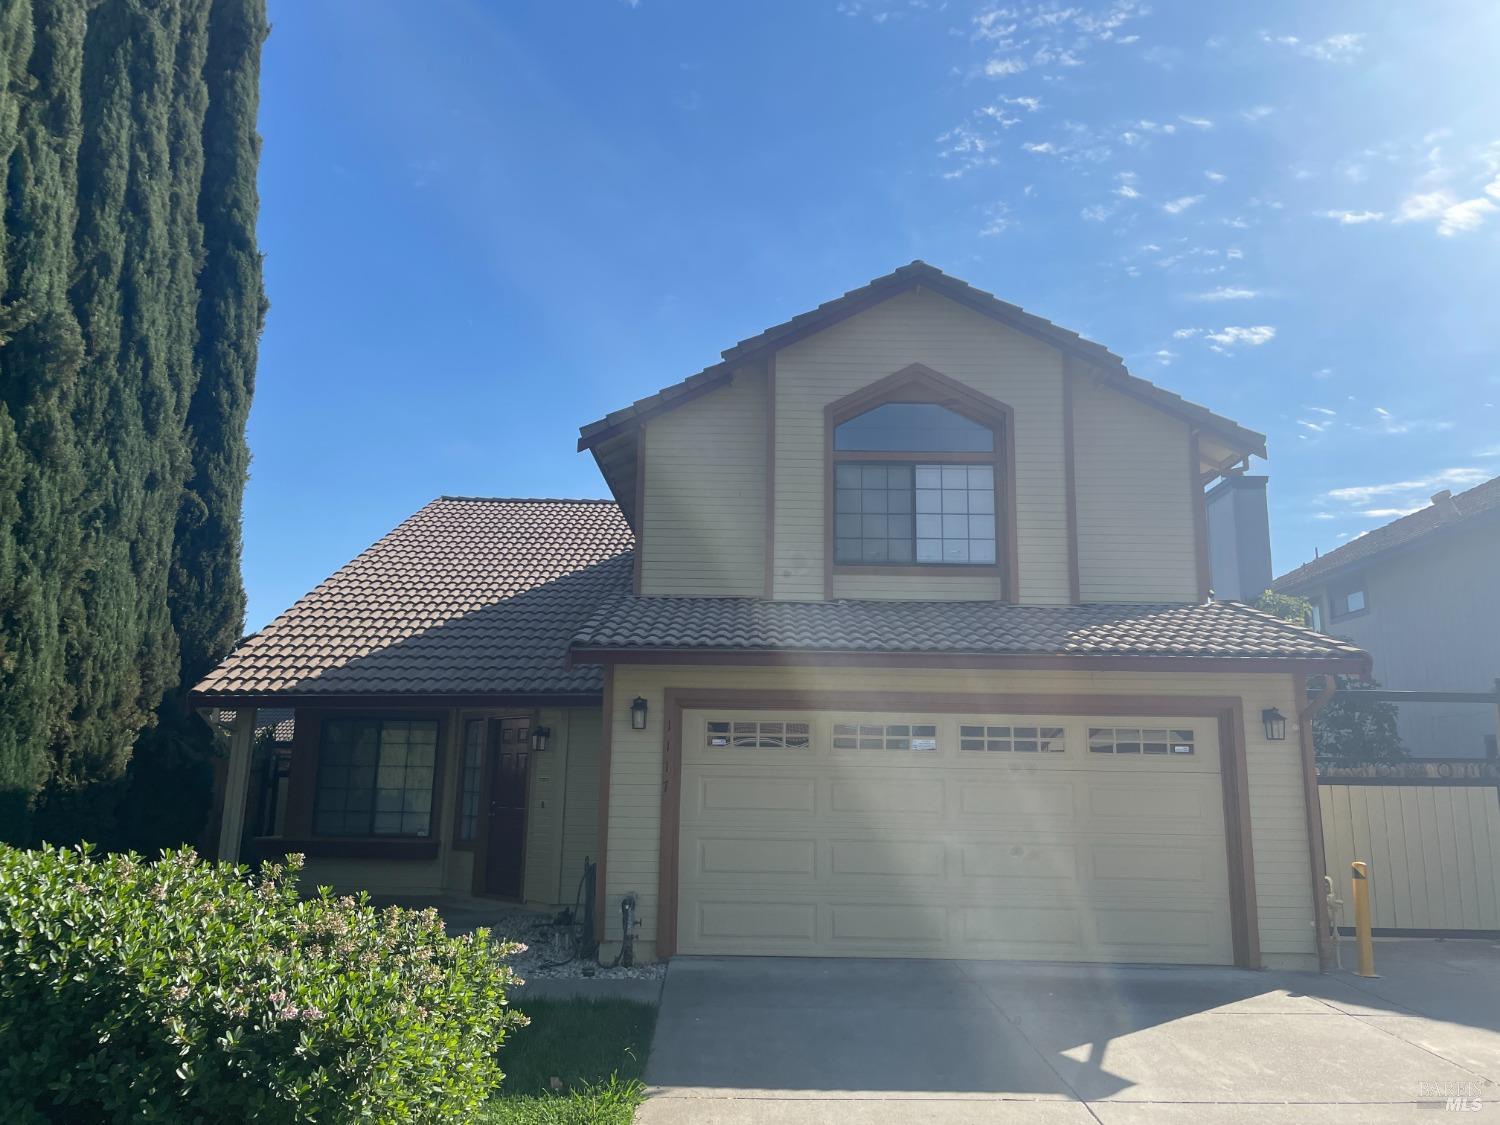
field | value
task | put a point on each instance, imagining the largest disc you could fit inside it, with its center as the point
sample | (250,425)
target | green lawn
(596,1048)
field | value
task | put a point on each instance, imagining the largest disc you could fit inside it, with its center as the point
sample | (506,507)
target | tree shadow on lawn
(578,1061)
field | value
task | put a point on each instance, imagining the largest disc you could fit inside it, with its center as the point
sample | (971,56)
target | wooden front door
(505,839)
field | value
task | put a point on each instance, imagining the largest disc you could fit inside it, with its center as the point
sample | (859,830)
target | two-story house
(1421,595)
(894,642)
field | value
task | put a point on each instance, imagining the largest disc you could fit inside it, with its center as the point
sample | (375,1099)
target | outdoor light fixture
(1275,723)
(540,737)
(638,713)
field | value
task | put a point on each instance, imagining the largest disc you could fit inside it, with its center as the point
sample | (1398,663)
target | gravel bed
(546,942)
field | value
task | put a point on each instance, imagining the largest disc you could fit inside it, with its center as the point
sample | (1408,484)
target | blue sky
(488,223)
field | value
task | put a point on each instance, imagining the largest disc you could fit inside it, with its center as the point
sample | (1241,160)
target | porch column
(236,784)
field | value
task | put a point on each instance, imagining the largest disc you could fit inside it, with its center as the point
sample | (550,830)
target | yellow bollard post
(1362,936)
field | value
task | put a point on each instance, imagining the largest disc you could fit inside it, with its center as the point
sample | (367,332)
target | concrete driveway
(751,1040)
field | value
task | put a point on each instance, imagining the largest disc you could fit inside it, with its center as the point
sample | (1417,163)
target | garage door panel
(899,923)
(757,794)
(1052,799)
(740,923)
(996,861)
(887,858)
(886,795)
(1072,854)
(730,856)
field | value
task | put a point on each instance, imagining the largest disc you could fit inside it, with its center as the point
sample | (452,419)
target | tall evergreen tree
(126,351)
(41,482)
(170,772)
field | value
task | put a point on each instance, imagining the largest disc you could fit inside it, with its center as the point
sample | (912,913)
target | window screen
(375,778)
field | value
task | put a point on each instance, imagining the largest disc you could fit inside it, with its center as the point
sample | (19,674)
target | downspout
(1306,711)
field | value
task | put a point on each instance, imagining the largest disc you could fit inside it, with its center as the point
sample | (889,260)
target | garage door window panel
(1007,739)
(758,734)
(885,736)
(1152,741)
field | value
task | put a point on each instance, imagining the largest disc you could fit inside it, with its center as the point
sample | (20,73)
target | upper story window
(914,483)
(913,427)
(1347,598)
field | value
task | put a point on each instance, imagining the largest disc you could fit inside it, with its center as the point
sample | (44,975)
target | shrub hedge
(181,990)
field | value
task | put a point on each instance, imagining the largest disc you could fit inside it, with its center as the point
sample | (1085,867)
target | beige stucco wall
(704,512)
(1278,825)
(1135,504)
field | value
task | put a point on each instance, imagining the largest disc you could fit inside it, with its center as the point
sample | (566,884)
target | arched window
(916,476)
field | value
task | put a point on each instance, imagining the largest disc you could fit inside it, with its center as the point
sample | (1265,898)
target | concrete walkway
(771,1040)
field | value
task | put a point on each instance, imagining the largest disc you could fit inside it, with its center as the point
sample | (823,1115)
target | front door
(505,840)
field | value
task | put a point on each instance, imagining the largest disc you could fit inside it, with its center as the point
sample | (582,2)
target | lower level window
(375,777)
(1139,740)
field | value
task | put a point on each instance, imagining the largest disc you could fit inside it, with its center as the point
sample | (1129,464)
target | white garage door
(1023,836)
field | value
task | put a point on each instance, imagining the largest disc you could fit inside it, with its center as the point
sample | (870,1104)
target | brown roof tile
(468,596)
(1451,512)
(1217,629)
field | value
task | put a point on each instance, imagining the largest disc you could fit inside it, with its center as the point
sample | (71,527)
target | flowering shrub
(188,991)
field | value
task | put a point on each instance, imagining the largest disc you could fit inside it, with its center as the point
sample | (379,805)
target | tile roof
(1217,629)
(467,596)
(912,275)
(1446,512)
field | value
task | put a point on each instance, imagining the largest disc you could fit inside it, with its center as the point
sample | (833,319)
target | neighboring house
(895,642)
(1422,596)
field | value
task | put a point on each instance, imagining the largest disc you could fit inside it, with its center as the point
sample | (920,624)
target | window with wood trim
(1347,598)
(1140,740)
(759,734)
(916,468)
(375,777)
(884,736)
(470,778)
(1022,740)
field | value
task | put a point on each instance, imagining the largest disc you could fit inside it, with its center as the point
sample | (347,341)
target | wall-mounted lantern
(638,713)
(540,736)
(1275,723)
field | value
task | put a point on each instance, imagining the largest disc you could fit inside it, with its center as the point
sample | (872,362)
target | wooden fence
(1433,849)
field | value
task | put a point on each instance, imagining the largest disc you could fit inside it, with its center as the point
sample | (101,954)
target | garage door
(1006,836)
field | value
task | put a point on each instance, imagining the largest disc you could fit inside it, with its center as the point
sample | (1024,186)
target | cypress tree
(41,51)
(130,304)
(170,773)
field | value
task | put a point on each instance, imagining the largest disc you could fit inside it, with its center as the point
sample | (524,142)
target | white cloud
(1322,410)
(1389,513)
(1387,423)
(1097,213)
(1453,215)
(1043,147)
(1215,177)
(1253,336)
(1353,218)
(1028,103)
(1234,254)
(1000,68)
(1126,191)
(1315,427)
(1335,48)
(1186,333)
(1446,478)
(1488,451)
(1196,122)
(1165,357)
(997,220)
(1182,203)
(1257,112)
(1227,293)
